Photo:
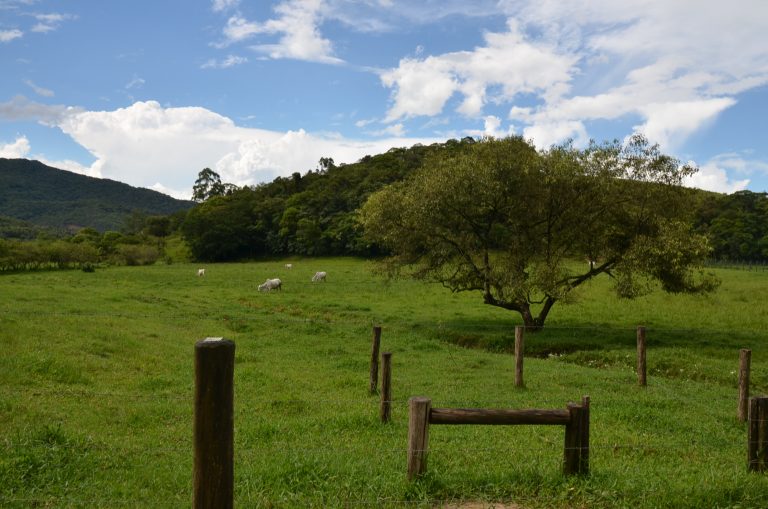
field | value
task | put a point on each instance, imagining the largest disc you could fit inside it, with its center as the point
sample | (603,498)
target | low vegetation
(96,385)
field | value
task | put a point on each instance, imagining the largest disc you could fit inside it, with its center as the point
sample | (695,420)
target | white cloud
(230,61)
(39,90)
(297,24)
(147,145)
(572,62)
(669,123)
(491,127)
(727,173)
(397,130)
(713,177)
(136,82)
(15,150)
(50,22)
(9,35)
(507,61)
(544,135)
(223,5)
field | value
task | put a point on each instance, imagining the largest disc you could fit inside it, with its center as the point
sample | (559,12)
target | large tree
(208,185)
(525,228)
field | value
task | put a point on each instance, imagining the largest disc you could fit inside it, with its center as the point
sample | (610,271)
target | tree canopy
(525,228)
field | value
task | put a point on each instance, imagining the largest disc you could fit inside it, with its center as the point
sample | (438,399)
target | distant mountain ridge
(42,195)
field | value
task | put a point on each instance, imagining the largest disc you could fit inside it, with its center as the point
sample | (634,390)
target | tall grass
(96,384)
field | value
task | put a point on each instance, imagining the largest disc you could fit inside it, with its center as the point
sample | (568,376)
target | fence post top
(418,399)
(215,343)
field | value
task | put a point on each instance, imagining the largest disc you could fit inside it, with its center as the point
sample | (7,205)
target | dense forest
(309,214)
(315,213)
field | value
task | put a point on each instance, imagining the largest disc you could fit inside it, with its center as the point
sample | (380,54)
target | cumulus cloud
(491,127)
(174,144)
(727,173)
(559,65)
(16,149)
(297,25)
(9,35)
(507,62)
(713,176)
(670,123)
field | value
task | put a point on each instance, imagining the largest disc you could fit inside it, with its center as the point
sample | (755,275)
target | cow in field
(288,265)
(271,284)
(200,272)
(319,276)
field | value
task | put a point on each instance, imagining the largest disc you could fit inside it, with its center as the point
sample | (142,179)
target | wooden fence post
(375,359)
(641,376)
(576,453)
(745,360)
(519,333)
(418,435)
(386,386)
(757,435)
(213,476)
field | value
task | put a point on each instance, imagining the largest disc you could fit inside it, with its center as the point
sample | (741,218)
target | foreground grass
(96,384)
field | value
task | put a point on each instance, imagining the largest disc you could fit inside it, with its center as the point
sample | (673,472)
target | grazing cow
(319,276)
(288,265)
(201,272)
(271,284)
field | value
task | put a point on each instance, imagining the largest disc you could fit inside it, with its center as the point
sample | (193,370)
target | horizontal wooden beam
(498,416)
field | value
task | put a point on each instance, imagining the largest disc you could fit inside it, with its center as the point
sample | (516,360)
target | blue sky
(149,93)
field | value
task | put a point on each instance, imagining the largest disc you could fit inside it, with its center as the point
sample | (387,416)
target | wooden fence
(575,418)
(213,473)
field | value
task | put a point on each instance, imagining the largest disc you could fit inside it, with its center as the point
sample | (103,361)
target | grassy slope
(96,382)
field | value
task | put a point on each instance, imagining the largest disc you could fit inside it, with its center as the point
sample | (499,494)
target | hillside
(44,196)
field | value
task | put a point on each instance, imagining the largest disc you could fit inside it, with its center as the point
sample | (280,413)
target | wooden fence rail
(575,418)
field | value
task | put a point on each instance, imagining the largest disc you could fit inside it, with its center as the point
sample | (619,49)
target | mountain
(44,196)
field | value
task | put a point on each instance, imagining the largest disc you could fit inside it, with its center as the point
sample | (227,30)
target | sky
(151,92)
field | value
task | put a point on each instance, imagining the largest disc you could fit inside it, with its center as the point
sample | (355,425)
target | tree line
(141,241)
(317,214)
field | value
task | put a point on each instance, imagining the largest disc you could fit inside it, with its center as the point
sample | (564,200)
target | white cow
(288,265)
(201,272)
(319,276)
(271,284)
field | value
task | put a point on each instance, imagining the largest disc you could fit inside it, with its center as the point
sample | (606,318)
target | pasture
(97,381)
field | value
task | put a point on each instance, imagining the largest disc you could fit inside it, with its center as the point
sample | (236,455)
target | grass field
(96,390)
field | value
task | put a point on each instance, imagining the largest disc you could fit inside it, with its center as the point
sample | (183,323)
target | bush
(136,254)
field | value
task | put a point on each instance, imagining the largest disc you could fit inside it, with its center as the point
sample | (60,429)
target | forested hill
(315,213)
(311,214)
(44,196)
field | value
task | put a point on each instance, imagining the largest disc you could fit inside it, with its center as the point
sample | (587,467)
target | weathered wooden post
(576,453)
(519,333)
(757,435)
(641,376)
(745,360)
(385,410)
(376,342)
(213,477)
(418,435)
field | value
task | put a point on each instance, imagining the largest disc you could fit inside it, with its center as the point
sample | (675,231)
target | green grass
(97,380)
